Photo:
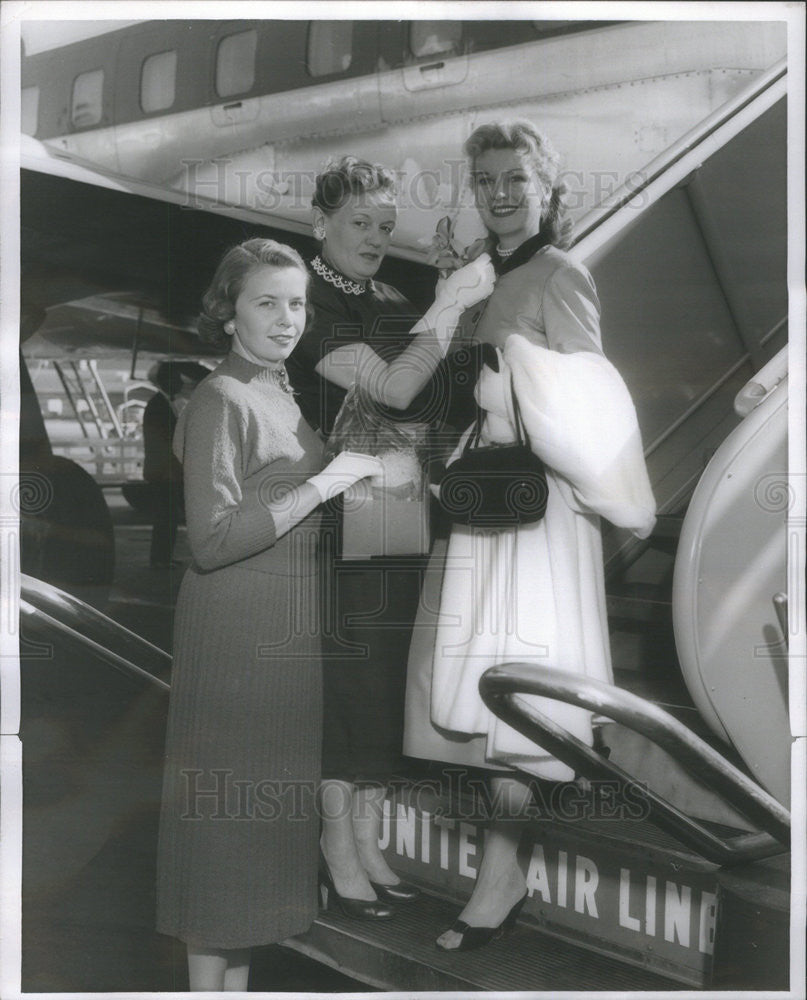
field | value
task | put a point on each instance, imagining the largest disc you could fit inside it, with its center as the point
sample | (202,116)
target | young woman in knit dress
(237,858)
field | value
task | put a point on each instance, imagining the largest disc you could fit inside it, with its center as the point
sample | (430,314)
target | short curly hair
(520,135)
(218,302)
(349,176)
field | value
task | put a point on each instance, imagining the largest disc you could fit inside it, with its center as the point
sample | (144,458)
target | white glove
(463,288)
(343,471)
(468,285)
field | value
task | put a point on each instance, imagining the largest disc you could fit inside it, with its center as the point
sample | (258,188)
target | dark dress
(372,602)
(238,847)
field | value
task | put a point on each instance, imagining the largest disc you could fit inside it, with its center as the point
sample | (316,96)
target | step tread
(526,959)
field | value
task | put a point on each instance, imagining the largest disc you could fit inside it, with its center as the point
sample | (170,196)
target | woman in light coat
(531,593)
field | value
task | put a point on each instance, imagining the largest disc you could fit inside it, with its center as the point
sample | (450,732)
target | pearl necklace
(339,280)
(505,253)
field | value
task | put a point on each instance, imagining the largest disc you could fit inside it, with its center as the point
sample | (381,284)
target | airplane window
(87,107)
(330,47)
(435,38)
(235,63)
(30,110)
(158,79)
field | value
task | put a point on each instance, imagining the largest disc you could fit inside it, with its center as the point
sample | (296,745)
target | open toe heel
(478,937)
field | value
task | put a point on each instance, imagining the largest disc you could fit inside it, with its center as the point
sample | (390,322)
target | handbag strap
(521,436)
(520,432)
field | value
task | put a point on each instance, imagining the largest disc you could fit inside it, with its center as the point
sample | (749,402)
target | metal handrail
(39,618)
(501,686)
(46,606)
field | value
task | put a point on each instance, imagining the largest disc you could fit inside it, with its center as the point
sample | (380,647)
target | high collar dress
(239,827)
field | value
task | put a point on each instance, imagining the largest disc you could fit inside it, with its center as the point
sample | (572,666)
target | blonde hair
(523,137)
(348,176)
(218,302)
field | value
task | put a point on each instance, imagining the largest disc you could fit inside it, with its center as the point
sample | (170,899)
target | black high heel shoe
(360,909)
(401,892)
(477,937)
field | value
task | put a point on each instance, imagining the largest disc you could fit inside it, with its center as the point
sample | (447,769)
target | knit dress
(237,856)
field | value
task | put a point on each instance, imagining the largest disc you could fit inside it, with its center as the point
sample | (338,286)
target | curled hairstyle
(349,176)
(218,302)
(523,137)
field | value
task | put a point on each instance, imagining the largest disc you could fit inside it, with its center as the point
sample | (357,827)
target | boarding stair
(86,393)
(614,905)
(624,894)
(106,447)
(616,902)
(667,863)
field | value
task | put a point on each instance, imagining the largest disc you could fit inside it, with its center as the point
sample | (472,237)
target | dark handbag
(495,486)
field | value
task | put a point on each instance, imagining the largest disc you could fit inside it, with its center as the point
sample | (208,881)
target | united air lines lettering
(642,895)
(653,907)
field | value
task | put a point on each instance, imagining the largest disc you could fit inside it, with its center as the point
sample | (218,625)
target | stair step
(399,954)
(600,876)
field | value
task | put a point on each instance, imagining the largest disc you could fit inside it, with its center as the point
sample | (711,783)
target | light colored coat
(534,593)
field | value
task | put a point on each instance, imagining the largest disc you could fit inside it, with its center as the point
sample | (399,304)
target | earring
(229,327)
(319,232)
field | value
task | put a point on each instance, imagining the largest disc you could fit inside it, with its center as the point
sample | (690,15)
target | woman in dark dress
(237,855)
(366,332)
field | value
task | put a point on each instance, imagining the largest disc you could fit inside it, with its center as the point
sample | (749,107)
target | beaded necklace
(280,375)
(339,280)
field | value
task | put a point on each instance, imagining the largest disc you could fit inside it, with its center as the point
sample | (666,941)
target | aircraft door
(729,572)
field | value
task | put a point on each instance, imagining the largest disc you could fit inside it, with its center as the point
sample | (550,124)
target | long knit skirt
(237,857)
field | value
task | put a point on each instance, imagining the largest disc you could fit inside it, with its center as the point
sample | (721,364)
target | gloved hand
(343,471)
(468,285)
(463,288)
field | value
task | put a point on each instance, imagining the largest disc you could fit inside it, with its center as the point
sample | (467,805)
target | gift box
(389,517)
(392,520)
